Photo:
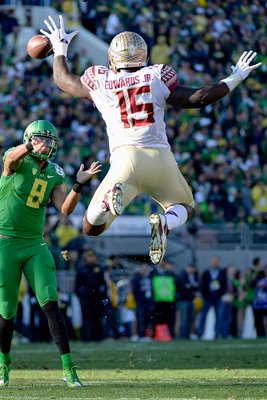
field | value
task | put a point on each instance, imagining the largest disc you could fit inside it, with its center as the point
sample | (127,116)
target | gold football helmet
(127,50)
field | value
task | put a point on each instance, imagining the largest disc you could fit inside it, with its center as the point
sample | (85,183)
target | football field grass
(121,370)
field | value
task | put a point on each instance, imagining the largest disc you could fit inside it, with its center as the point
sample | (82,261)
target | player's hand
(84,175)
(39,147)
(243,67)
(57,36)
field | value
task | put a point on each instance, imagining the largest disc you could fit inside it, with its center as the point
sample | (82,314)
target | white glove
(241,70)
(58,37)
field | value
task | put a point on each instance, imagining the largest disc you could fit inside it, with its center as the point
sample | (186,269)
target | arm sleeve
(169,77)
(88,79)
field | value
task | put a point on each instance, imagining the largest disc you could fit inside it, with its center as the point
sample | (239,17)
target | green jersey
(24,196)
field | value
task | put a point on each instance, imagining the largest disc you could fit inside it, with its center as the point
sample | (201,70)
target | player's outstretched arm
(60,40)
(15,156)
(13,159)
(184,97)
(67,204)
(68,82)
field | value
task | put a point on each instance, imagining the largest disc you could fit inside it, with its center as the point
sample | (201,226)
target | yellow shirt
(65,234)
(259,197)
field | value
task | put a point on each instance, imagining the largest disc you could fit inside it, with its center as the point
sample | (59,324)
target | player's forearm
(70,203)
(66,81)
(15,156)
(73,197)
(196,98)
(61,74)
(209,94)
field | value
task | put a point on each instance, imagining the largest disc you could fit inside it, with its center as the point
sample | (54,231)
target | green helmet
(45,129)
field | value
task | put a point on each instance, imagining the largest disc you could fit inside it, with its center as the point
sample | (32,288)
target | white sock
(176,216)
(96,215)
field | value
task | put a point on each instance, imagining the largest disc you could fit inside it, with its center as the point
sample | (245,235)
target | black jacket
(213,285)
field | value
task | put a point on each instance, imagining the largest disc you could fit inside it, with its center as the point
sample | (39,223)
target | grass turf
(121,370)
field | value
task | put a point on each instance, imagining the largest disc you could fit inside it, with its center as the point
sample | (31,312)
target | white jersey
(132,103)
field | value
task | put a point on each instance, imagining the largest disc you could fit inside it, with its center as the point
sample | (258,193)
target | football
(40,47)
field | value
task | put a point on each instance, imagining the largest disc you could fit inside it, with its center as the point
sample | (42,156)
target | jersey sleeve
(89,78)
(7,152)
(169,77)
(60,174)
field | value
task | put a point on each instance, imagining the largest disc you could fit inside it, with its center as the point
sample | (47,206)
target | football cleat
(158,241)
(71,378)
(113,200)
(4,374)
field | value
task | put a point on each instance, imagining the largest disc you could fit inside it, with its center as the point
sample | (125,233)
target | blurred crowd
(221,149)
(155,303)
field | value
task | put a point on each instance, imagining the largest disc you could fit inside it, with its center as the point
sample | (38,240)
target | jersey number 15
(130,105)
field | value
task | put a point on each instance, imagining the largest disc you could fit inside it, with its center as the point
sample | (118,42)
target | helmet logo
(131,50)
(127,50)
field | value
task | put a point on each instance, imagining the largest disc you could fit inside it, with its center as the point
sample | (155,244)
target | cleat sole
(158,240)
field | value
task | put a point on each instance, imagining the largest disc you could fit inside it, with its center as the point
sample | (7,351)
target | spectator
(91,289)
(127,309)
(164,290)
(213,286)
(88,15)
(227,302)
(142,291)
(113,24)
(112,320)
(255,275)
(188,288)
(243,297)
(65,232)
(260,303)
(161,51)
(259,197)
(115,266)
(246,195)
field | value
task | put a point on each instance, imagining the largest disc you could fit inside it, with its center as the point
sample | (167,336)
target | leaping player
(132,96)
